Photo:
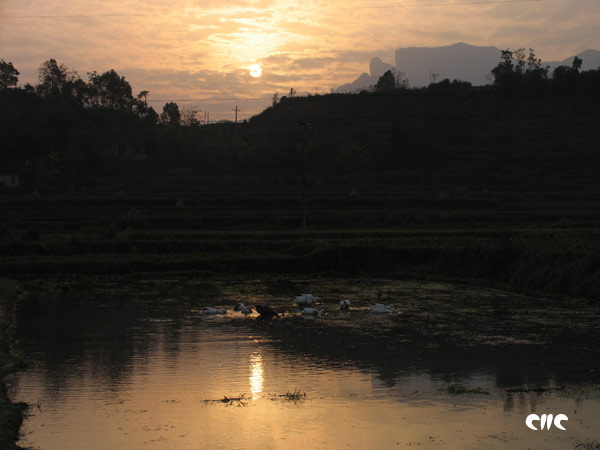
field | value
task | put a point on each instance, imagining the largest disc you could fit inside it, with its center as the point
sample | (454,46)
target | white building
(10,181)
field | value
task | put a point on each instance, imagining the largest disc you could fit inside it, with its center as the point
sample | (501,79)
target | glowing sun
(255,70)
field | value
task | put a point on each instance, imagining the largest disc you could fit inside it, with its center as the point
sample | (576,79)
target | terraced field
(209,226)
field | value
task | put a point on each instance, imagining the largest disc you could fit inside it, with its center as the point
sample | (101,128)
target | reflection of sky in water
(256,376)
(157,384)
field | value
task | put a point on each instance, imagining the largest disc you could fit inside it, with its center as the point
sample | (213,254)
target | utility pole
(235,123)
(304,138)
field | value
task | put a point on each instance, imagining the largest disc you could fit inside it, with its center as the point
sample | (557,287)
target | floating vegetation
(458,389)
(241,400)
(294,396)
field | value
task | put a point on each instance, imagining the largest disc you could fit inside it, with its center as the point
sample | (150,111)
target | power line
(287,10)
(208,99)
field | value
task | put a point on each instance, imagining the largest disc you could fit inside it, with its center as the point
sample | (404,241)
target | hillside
(469,137)
(468,184)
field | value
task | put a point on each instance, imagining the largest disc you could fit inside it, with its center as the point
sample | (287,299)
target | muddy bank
(537,271)
(11,414)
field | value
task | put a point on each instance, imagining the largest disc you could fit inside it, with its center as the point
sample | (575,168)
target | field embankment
(531,240)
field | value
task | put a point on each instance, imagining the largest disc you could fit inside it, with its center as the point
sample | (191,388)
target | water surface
(157,374)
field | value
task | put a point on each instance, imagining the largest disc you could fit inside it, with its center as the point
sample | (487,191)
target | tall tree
(170,114)
(9,76)
(55,78)
(110,90)
(141,103)
(189,116)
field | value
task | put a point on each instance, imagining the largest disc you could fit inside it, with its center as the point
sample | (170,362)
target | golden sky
(183,49)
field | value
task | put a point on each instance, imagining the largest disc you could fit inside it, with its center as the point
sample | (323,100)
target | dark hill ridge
(459,137)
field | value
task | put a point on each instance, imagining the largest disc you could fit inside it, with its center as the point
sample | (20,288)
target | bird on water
(307,300)
(345,305)
(265,311)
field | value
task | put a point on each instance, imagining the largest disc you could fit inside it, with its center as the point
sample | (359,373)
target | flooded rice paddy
(138,365)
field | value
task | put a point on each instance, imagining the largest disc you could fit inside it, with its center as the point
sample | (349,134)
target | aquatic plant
(241,400)
(294,396)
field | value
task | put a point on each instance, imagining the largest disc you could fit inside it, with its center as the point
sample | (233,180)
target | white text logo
(545,421)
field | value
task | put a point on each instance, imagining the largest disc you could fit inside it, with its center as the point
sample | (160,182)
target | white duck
(213,311)
(345,305)
(311,312)
(306,300)
(378,308)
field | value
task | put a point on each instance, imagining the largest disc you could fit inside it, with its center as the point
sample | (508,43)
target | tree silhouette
(55,78)
(9,76)
(387,81)
(565,77)
(518,70)
(170,114)
(110,90)
(189,116)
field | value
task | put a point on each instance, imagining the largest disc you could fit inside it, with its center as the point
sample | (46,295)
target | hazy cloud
(186,48)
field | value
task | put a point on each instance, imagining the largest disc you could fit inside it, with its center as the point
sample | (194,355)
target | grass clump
(240,400)
(294,396)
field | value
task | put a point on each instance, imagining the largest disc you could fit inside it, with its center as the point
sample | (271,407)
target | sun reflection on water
(256,376)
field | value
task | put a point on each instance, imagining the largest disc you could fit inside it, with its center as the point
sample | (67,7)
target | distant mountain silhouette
(591,60)
(461,61)
(458,61)
(377,68)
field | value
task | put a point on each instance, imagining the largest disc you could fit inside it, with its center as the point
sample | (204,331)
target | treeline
(108,90)
(518,72)
(66,133)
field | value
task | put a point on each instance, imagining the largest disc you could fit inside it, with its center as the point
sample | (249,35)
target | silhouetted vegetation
(387,81)
(522,73)
(66,133)
(496,183)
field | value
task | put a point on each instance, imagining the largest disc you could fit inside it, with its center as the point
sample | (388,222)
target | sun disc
(255,70)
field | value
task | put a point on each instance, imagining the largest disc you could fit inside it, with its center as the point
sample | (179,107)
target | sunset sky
(200,50)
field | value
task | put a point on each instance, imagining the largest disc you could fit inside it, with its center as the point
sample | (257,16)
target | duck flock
(307,304)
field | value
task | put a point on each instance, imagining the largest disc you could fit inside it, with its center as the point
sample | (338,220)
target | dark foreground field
(527,239)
